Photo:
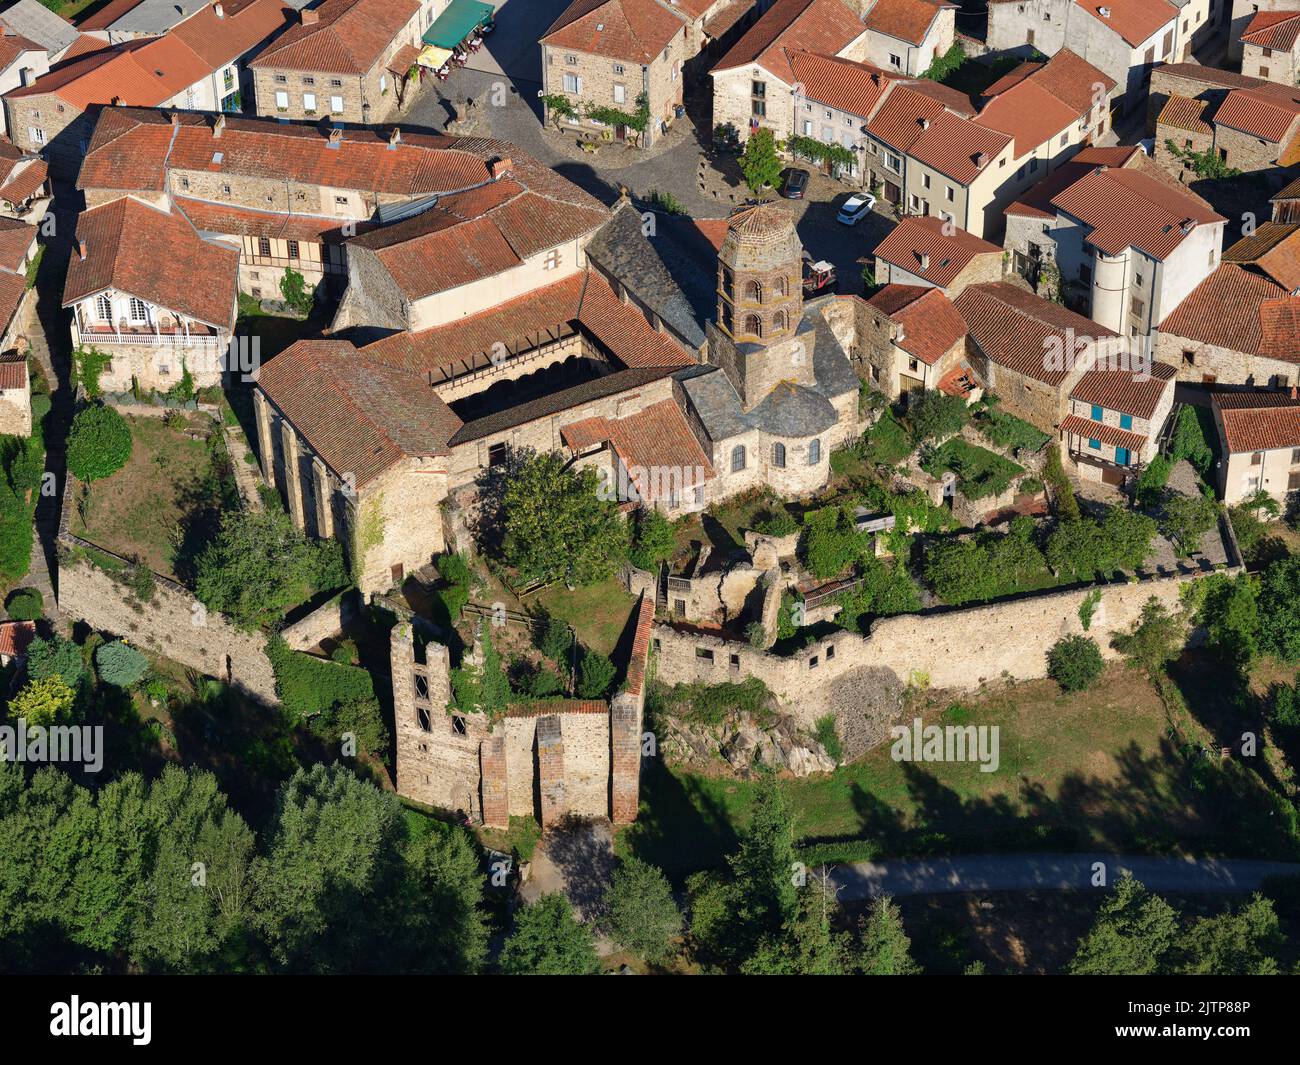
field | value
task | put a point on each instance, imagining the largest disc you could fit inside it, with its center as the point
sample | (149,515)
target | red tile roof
(1274,249)
(1263,115)
(1258,422)
(905,20)
(1049,99)
(544,707)
(1036,201)
(1278,30)
(1224,310)
(903,115)
(931,325)
(1279,328)
(223,220)
(1124,390)
(345,37)
(15,636)
(948,254)
(631,30)
(1134,20)
(16,242)
(1016,329)
(961,148)
(841,83)
(146,252)
(240,29)
(359,416)
(12,45)
(13,372)
(1182,113)
(790,26)
(1129,209)
(1107,434)
(22,181)
(655,438)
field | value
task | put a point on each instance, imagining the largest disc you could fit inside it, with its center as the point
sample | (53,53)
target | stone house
(197,66)
(24,184)
(1259,433)
(350,61)
(1127,243)
(906,36)
(17,250)
(1032,352)
(1242,12)
(1271,47)
(1249,123)
(127,301)
(1115,420)
(925,250)
(754,84)
(1239,326)
(612,53)
(912,339)
(32,38)
(1123,38)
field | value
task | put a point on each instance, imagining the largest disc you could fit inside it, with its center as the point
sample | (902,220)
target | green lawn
(1092,770)
(164,503)
(980,473)
(887,442)
(599,613)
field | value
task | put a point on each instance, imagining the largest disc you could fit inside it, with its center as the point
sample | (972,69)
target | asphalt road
(1049,872)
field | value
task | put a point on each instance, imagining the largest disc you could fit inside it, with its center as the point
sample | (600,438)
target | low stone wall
(173,623)
(328,619)
(958,648)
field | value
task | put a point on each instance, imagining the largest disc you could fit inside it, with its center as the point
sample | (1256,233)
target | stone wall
(958,649)
(173,624)
(328,619)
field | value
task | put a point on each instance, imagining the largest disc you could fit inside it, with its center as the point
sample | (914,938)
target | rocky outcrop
(744,744)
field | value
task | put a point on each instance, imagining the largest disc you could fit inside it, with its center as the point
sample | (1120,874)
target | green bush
(1074,663)
(934,415)
(831,542)
(308,685)
(654,539)
(829,738)
(556,641)
(778,522)
(886,443)
(980,473)
(99,443)
(988,565)
(120,665)
(46,658)
(595,675)
(26,604)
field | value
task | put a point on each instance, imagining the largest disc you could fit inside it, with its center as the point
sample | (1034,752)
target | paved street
(1048,872)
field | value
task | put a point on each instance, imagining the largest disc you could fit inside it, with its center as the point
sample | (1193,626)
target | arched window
(779,321)
(737,458)
(814,453)
(104,308)
(754,292)
(779,288)
(778,456)
(753,325)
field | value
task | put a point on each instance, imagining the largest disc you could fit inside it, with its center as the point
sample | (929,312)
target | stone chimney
(924,259)
(395,138)
(219,11)
(500,168)
(981,158)
(309,17)
(81,250)
(219,126)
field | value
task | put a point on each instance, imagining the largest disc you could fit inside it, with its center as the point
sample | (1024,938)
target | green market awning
(459,21)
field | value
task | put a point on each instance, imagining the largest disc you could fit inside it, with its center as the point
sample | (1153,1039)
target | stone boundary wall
(328,619)
(959,648)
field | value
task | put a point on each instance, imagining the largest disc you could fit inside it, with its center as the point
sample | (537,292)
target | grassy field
(162,504)
(1090,770)
(598,613)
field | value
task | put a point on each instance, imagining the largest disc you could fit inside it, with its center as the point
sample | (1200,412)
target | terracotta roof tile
(1124,390)
(1015,328)
(1223,310)
(544,707)
(1051,98)
(790,26)
(948,254)
(21,182)
(15,636)
(905,20)
(1134,20)
(841,83)
(1036,201)
(1128,209)
(347,37)
(632,30)
(959,147)
(1113,435)
(931,325)
(1182,113)
(901,119)
(1278,30)
(141,250)
(16,241)
(1262,115)
(1273,248)
(1258,422)
(13,372)
(240,29)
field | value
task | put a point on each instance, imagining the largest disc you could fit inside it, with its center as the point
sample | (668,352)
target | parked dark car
(796,184)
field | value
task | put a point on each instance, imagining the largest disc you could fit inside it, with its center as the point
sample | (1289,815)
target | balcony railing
(197,337)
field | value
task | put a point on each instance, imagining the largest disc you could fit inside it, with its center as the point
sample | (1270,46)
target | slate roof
(36,22)
(622,250)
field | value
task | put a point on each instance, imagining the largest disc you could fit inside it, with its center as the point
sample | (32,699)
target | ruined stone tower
(760,305)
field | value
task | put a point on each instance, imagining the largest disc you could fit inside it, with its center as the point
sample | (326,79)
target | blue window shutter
(1126,421)
(1095,445)
(1096,413)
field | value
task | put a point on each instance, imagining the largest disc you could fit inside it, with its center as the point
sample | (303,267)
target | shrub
(55,657)
(756,634)
(829,737)
(653,541)
(26,604)
(1186,519)
(308,685)
(359,718)
(760,165)
(87,365)
(831,542)
(1154,476)
(1059,482)
(641,915)
(595,675)
(1189,441)
(777,523)
(293,287)
(887,442)
(556,641)
(934,415)
(1074,663)
(99,443)
(120,664)
(43,702)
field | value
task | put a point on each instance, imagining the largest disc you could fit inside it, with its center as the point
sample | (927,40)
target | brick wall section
(550,770)
(496,785)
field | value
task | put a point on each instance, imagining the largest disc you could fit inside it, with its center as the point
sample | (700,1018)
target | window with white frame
(281,100)
(309,102)
(139,312)
(104,308)
(620,94)
(572,83)
(336,105)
